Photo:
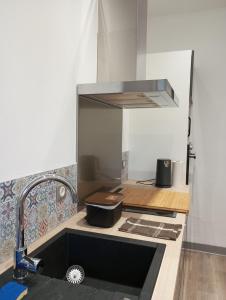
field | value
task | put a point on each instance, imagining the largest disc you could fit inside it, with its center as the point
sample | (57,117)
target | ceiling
(167,7)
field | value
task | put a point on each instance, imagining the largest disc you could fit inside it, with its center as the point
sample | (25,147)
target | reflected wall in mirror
(149,134)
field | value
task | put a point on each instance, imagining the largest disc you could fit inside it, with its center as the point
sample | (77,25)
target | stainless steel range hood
(131,94)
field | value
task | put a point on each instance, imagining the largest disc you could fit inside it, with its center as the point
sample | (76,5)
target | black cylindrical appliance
(163,173)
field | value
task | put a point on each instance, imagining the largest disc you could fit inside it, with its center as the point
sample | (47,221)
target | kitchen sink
(127,266)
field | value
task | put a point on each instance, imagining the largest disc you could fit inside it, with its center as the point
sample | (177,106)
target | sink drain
(75,274)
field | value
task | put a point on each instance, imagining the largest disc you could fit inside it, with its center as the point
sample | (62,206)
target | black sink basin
(113,264)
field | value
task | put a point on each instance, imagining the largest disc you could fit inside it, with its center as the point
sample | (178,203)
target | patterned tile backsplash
(47,205)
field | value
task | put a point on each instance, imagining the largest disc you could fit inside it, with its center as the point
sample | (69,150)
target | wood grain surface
(201,276)
(104,198)
(156,198)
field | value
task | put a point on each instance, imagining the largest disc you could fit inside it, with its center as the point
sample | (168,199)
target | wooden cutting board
(156,198)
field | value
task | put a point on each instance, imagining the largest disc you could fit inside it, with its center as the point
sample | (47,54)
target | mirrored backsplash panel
(99,147)
(47,205)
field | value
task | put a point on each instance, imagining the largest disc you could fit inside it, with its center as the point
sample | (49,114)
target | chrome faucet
(23,263)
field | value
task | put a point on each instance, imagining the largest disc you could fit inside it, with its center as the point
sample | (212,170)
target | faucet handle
(32,264)
(24,263)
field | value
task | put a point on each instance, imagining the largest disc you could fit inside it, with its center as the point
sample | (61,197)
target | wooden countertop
(147,196)
(166,282)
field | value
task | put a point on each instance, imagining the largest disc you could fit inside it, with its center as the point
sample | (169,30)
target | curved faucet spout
(20,247)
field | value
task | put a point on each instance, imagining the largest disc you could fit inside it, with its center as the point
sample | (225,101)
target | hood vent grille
(131,94)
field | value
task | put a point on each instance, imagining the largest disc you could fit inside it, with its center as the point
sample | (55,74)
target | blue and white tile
(45,207)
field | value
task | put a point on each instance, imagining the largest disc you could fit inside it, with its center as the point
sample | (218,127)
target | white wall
(46,48)
(161,132)
(204,32)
